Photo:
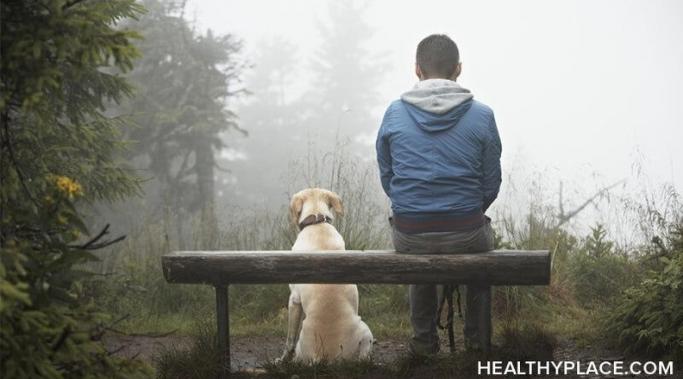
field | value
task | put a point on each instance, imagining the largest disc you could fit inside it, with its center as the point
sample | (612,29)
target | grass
(199,361)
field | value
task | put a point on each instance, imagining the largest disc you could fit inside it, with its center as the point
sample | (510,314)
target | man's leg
(422,298)
(423,306)
(478,328)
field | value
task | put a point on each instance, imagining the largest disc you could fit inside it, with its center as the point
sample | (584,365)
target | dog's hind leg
(366,342)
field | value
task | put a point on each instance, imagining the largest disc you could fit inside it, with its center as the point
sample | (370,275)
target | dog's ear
(335,202)
(295,207)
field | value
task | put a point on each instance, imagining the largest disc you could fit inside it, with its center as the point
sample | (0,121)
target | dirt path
(246,352)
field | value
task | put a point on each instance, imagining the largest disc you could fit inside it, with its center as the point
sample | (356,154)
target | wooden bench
(222,268)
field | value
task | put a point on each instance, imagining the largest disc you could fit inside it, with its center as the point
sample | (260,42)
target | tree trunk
(204,167)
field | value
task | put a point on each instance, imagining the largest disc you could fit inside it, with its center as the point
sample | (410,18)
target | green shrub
(597,272)
(648,318)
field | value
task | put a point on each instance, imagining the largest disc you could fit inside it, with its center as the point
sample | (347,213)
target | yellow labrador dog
(323,318)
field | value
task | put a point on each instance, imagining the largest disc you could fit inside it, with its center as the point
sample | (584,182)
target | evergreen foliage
(346,83)
(182,84)
(597,271)
(649,316)
(56,156)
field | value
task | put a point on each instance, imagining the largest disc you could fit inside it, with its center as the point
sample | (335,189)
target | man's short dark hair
(437,55)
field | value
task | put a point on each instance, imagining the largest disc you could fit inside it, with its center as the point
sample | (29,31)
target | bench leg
(478,326)
(223,323)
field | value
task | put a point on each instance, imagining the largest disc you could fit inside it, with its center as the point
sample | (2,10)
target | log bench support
(223,328)
(222,268)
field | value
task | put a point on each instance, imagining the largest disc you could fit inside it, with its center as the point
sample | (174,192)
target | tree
(182,84)
(56,154)
(311,129)
(270,113)
(346,75)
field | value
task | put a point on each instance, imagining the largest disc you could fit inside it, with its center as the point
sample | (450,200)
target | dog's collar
(314,219)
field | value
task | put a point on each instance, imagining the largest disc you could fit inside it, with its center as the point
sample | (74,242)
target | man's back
(439,153)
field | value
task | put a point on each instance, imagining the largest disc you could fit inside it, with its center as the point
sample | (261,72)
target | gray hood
(437,95)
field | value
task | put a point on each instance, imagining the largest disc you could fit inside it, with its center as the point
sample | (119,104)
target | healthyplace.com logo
(551,368)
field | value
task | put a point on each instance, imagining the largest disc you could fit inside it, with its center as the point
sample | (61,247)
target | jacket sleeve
(384,153)
(491,177)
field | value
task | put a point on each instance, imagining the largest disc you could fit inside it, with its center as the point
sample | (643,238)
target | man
(438,151)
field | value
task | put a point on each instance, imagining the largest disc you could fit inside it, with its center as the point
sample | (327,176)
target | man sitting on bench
(438,151)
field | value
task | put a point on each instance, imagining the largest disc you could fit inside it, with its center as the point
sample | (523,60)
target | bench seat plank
(498,267)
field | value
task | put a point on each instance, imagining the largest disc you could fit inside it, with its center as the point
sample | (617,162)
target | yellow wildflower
(68,186)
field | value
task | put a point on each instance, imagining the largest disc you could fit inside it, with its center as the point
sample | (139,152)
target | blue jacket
(435,158)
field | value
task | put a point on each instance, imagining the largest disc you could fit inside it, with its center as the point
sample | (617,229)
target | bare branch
(564,218)
(93,244)
(148,335)
(70,4)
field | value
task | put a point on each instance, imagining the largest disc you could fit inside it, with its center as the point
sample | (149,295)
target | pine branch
(62,338)
(15,164)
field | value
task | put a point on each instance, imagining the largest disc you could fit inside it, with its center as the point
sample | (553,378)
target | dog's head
(313,201)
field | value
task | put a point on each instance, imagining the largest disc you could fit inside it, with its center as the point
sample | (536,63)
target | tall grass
(133,284)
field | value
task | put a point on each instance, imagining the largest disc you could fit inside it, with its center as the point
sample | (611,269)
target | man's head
(437,57)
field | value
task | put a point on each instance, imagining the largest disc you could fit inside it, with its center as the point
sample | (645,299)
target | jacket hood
(437,104)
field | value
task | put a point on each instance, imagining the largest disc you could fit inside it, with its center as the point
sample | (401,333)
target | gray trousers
(424,298)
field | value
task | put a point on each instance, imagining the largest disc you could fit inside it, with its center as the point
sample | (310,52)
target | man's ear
(456,72)
(295,207)
(335,203)
(418,71)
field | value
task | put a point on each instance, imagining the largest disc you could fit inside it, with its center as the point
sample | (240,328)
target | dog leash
(447,297)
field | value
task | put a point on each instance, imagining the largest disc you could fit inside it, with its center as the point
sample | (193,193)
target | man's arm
(384,153)
(491,177)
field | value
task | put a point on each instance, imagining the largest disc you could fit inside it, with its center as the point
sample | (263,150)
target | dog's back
(324,332)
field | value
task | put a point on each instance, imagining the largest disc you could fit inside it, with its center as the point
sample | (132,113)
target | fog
(586,94)
(578,87)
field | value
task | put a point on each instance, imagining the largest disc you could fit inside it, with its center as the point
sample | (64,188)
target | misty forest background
(120,118)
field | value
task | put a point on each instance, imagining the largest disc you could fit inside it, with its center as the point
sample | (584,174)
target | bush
(597,272)
(648,318)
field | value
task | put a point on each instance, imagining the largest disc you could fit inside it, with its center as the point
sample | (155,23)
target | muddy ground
(250,353)
(246,352)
